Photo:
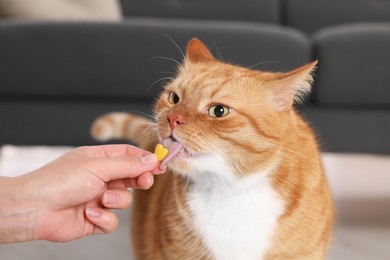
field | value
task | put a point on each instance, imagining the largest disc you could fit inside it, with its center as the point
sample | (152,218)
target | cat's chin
(176,151)
(202,167)
(184,164)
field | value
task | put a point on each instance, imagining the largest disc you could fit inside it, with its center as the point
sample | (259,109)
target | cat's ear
(292,86)
(197,51)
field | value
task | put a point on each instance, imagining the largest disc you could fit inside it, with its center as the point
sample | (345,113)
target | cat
(244,175)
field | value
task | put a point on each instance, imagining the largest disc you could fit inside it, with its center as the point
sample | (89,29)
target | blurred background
(65,62)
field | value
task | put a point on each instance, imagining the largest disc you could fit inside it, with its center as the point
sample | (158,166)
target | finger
(116,198)
(117,150)
(104,220)
(144,181)
(108,169)
(158,171)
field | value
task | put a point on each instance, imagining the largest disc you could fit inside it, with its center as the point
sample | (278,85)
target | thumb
(113,168)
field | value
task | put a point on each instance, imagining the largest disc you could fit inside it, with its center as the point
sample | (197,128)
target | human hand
(69,198)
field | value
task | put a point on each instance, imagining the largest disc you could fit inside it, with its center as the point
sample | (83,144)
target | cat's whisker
(154,83)
(294,152)
(155,133)
(219,53)
(177,45)
(169,72)
(143,113)
(282,151)
(187,182)
(167,58)
(261,63)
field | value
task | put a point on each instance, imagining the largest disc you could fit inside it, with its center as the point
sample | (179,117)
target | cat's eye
(173,98)
(218,111)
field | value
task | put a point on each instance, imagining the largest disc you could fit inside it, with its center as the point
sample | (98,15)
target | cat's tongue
(173,147)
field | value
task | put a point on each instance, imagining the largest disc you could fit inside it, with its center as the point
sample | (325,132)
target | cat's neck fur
(216,197)
(226,210)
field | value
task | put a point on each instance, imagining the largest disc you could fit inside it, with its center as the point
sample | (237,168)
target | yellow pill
(161,152)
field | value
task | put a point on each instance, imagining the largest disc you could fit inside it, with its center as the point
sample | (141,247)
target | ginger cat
(244,175)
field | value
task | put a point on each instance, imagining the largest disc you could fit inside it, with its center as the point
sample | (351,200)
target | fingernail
(94,213)
(149,159)
(110,198)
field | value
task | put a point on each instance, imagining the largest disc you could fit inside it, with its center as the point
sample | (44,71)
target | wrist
(16,211)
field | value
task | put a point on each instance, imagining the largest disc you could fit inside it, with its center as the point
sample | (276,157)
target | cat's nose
(174,120)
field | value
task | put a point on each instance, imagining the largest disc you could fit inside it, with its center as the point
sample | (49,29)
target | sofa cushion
(354,65)
(312,15)
(61,9)
(251,10)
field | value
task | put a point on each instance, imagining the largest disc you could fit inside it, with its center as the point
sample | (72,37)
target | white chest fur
(236,218)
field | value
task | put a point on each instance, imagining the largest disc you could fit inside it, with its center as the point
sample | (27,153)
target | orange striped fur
(253,186)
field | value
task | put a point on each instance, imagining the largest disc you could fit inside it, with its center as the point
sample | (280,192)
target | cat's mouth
(175,150)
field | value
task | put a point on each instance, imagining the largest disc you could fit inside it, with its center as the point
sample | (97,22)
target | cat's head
(226,118)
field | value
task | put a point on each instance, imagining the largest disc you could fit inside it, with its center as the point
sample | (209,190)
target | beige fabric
(61,9)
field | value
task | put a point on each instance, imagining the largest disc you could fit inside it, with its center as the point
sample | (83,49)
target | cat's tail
(125,126)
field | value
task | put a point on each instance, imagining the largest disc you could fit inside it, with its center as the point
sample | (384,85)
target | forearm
(16,211)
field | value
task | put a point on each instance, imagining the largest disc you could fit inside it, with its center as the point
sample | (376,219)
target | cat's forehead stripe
(257,126)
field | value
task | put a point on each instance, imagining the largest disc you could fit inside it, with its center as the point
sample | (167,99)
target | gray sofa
(57,77)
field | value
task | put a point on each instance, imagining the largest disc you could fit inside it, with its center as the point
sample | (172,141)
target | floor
(349,242)
(362,200)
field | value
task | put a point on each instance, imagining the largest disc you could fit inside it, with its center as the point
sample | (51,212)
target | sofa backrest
(267,11)
(354,65)
(56,78)
(312,15)
(305,15)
